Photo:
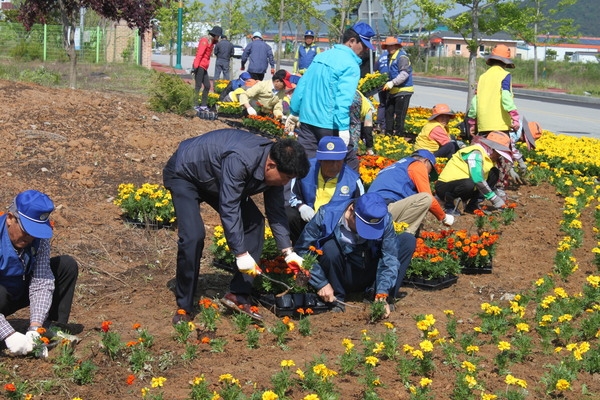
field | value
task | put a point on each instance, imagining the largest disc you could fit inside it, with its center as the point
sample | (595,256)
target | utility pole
(281,8)
(179,33)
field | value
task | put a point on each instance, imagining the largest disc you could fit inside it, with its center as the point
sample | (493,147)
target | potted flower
(263,125)
(219,85)
(229,108)
(370,84)
(149,205)
(475,251)
(434,264)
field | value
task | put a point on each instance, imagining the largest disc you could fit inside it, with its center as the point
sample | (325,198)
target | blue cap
(370,211)
(431,158)
(245,76)
(33,211)
(295,79)
(309,33)
(365,32)
(331,148)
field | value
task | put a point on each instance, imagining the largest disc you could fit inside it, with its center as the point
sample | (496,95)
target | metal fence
(92,44)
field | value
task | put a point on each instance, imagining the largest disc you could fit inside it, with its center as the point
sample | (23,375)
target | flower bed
(264,125)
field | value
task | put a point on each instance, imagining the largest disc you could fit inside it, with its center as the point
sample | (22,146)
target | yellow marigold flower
(433,334)
(269,395)
(378,348)
(471,381)
(502,346)
(371,360)
(144,391)
(448,312)
(426,346)
(347,343)
(311,397)
(477,329)
(388,325)
(558,349)
(422,325)
(547,317)
(469,366)
(485,306)
(417,354)
(560,292)
(300,373)
(424,382)
(429,318)
(376,382)
(488,396)
(157,382)
(562,384)
(539,282)
(593,280)
(565,317)
(197,380)
(413,389)
(288,363)
(522,327)
(557,331)
(407,348)
(472,349)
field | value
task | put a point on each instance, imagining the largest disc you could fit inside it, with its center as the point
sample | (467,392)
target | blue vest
(382,62)
(15,272)
(306,55)
(394,71)
(344,190)
(393,183)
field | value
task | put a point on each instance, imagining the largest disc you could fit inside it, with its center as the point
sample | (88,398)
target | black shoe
(338,308)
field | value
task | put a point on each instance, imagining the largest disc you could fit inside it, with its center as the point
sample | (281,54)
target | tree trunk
(68,23)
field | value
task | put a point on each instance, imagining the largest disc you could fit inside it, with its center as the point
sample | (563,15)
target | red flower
(106,326)
(130,379)
(136,326)
(10,387)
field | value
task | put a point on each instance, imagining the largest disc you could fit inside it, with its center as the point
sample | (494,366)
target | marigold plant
(149,203)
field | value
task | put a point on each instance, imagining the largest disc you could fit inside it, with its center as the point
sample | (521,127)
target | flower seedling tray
(148,225)
(229,267)
(486,269)
(288,304)
(431,284)
(208,114)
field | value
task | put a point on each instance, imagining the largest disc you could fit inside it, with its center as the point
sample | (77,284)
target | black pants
(447,150)
(222,68)
(257,76)
(296,222)
(201,79)
(309,136)
(396,109)
(65,271)
(190,228)
(464,189)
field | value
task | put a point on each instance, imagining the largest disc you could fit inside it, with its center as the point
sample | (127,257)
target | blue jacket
(304,191)
(326,224)
(393,182)
(324,94)
(260,55)
(228,166)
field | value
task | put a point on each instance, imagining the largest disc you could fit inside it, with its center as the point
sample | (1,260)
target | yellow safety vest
(490,113)
(457,168)
(423,141)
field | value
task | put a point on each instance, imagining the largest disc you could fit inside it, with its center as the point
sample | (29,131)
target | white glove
(497,201)
(293,257)
(515,176)
(247,265)
(19,344)
(306,212)
(522,165)
(251,111)
(345,135)
(448,220)
(388,85)
(34,335)
(290,123)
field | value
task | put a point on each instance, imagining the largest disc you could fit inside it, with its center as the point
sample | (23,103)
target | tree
(167,21)
(232,15)
(538,17)
(394,11)
(137,14)
(428,12)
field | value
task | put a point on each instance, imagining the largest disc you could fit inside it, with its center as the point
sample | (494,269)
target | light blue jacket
(325,92)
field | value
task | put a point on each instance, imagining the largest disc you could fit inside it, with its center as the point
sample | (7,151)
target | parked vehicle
(238,51)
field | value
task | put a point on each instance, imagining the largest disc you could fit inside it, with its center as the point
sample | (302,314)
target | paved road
(561,114)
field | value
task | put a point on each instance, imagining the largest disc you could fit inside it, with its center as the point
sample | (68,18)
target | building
(451,44)
(582,49)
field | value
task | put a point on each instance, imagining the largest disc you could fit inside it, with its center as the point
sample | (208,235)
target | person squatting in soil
(201,64)
(29,276)
(434,136)
(322,98)
(223,168)
(361,251)
(471,173)
(266,97)
(328,180)
(406,189)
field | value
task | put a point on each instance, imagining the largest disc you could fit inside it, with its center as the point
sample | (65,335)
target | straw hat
(501,53)
(390,41)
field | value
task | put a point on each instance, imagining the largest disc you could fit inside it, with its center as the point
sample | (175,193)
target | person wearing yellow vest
(493,107)
(471,172)
(434,135)
(399,87)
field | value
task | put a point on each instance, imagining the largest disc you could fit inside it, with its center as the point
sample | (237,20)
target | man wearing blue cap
(361,251)
(260,56)
(406,189)
(28,276)
(328,180)
(322,99)
(305,53)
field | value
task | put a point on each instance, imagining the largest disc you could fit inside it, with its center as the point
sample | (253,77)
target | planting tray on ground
(288,304)
(431,284)
(147,225)
(486,269)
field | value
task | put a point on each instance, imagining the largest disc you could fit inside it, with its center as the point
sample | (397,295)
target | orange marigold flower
(206,303)
(300,311)
(130,379)
(44,340)
(106,326)
(205,340)
(309,311)
(181,311)
(136,326)
(381,296)
(254,309)
(285,320)
(312,248)
(10,387)
(41,330)
(479,213)
(131,343)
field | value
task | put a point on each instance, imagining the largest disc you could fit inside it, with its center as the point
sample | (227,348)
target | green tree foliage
(232,15)
(167,20)
(394,11)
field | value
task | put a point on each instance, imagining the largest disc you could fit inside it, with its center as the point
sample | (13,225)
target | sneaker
(197,108)
(203,108)
(452,211)
(240,303)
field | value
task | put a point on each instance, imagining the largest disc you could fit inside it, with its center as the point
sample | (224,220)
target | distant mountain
(585,13)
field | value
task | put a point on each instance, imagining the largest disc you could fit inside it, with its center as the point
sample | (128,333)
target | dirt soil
(78,146)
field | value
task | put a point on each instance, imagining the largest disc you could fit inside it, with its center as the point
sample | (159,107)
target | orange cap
(441,109)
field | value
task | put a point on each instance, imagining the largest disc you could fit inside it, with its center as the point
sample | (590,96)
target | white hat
(257,34)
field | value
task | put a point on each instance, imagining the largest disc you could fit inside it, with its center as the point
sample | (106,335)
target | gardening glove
(472,123)
(272,71)
(522,165)
(345,135)
(251,111)
(497,201)
(247,265)
(35,336)
(388,85)
(515,176)
(293,258)
(306,212)
(516,120)
(448,220)
(19,344)
(290,123)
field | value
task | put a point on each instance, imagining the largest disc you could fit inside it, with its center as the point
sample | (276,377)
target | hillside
(585,13)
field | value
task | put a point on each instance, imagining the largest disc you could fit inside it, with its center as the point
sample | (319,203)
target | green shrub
(169,93)
(41,76)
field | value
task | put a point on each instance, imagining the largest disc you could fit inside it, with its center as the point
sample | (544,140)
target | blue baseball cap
(33,211)
(433,175)
(365,32)
(245,76)
(309,33)
(370,211)
(331,148)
